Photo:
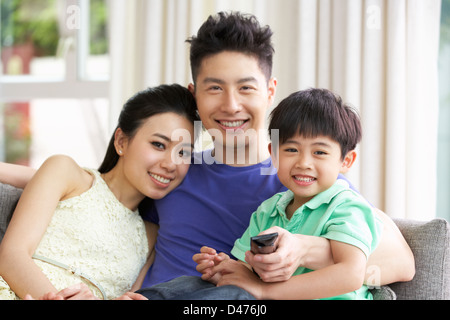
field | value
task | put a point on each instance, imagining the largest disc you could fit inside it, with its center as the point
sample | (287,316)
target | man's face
(233,94)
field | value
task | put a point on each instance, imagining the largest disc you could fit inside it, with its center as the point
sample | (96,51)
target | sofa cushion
(383,293)
(9,196)
(430,244)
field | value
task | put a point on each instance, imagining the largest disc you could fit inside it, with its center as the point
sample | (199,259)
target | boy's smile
(303,180)
(308,166)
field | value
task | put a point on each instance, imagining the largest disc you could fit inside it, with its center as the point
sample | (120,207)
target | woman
(73,224)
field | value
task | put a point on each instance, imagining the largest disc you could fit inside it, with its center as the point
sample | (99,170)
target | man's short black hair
(232,32)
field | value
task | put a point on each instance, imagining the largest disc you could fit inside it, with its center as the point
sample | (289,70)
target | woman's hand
(82,292)
(131,296)
(76,292)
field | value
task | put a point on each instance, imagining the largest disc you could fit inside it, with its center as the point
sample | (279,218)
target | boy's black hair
(232,32)
(315,112)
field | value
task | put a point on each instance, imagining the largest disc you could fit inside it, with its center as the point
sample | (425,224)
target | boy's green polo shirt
(337,213)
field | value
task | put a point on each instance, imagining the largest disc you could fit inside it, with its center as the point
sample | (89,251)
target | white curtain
(379,55)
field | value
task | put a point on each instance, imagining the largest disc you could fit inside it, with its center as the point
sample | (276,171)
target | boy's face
(232,93)
(308,166)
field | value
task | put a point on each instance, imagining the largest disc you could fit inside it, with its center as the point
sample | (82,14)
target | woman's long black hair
(145,104)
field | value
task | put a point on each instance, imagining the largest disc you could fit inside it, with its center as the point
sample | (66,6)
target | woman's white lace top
(97,235)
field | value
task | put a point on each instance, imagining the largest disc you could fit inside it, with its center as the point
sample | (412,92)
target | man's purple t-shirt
(211,207)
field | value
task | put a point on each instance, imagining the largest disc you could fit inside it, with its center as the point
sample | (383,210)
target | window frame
(74,84)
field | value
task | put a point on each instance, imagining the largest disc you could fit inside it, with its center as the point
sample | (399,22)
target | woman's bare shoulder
(66,168)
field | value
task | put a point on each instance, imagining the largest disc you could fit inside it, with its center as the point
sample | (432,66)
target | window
(443,167)
(54,80)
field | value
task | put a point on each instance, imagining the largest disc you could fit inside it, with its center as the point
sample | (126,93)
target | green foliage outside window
(35,21)
(25,21)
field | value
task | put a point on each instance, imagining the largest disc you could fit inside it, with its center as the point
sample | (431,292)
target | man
(231,61)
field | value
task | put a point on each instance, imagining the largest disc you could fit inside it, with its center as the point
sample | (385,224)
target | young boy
(317,139)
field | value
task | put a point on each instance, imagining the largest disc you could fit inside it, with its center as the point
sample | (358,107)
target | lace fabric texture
(96,234)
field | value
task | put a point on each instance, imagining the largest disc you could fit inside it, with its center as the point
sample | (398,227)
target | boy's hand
(239,274)
(206,260)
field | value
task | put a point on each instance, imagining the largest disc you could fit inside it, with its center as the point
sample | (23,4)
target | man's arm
(15,175)
(392,260)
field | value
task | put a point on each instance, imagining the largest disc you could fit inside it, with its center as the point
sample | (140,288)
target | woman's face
(157,158)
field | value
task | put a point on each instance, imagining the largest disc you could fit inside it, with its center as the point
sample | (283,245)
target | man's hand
(279,265)
(294,251)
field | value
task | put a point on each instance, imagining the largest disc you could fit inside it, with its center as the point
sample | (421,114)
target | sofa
(429,242)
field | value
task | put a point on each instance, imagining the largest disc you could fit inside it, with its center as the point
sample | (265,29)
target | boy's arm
(346,275)
(392,260)
(15,175)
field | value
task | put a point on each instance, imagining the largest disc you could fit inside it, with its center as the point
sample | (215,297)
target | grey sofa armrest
(9,196)
(430,244)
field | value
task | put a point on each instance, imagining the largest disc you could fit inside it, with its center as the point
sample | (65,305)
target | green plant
(34,21)
(98,30)
(445,22)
